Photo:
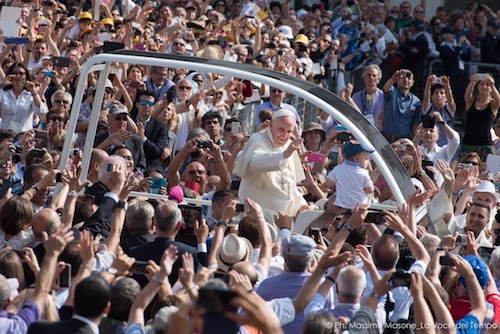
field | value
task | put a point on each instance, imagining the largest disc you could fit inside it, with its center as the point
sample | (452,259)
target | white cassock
(267,177)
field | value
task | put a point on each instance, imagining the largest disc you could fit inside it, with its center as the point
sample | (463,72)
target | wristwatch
(157,280)
(374,295)
(113,271)
(122,204)
(421,173)
(347,228)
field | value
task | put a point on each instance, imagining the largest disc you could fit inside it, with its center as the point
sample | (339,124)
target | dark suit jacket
(100,221)
(154,251)
(97,190)
(129,240)
(134,144)
(73,326)
(157,139)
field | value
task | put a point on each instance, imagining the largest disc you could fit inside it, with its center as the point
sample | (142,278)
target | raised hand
(168,259)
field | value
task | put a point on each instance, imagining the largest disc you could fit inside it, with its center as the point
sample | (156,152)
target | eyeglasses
(56,119)
(61,101)
(277,91)
(120,118)
(184,87)
(144,102)
(178,44)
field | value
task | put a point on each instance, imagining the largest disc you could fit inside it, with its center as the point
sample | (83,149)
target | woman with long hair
(482,101)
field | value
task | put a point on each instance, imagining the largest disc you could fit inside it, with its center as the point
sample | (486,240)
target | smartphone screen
(64,279)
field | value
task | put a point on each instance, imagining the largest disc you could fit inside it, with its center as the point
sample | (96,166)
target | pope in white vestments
(270,168)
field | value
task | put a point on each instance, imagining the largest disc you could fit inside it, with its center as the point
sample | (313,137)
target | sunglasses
(144,102)
(185,87)
(56,119)
(178,44)
(61,101)
(473,163)
(121,118)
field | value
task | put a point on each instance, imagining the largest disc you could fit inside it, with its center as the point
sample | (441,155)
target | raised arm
(173,175)
(426,101)
(255,210)
(395,223)
(136,314)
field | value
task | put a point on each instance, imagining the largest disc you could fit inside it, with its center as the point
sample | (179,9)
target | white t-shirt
(350,182)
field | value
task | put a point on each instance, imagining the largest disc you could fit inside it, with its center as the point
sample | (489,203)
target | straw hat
(233,249)
(211,52)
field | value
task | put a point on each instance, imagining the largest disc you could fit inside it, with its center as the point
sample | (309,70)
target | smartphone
(446,261)
(463,165)
(61,61)
(47,73)
(103,37)
(223,276)
(20,252)
(140,46)
(42,134)
(64,279)
(375,217)
(400,278)
(109,168)
(43,22)
(482,76)
(191,214)
(462,239)
(344,137)
(216,301)
(235,128)
(240,207)
(16,40)
(134,84)
(139,268)
(5,188)
(157,182)
(314,233)
(316,157)
(38,153)
(59,177)
(428,122)
(204,144)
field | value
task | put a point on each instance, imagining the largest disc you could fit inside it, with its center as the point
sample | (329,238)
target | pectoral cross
(285,186)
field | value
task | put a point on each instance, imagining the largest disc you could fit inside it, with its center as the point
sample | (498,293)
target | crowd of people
(292,240)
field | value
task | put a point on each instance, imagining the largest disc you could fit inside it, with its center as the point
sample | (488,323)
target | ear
(106,309)
(153,224)
(178,226)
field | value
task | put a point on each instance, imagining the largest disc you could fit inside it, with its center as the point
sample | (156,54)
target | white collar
(93,326)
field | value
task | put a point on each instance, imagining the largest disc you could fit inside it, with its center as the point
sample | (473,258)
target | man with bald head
(270,167)
(96,159)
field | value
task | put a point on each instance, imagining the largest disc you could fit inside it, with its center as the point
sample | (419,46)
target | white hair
(351,282)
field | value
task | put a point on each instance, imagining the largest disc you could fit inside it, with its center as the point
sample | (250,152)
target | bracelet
(72,194)
(331,279)
(35,187)
(34,94)
(221,223)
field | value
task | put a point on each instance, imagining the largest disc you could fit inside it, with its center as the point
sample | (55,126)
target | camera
(462,239)
(75,152)
(400,278)
(428,122)
(153,17)
(204,144)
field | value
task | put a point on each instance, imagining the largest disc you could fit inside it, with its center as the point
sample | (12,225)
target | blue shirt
(287,284)
(470,324)
(20,322)
(401,113)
